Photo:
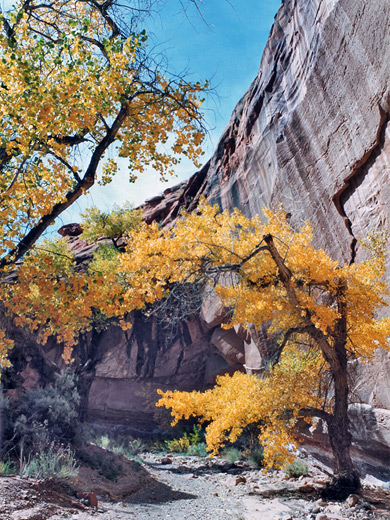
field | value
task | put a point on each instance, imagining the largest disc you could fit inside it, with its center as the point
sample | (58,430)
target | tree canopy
(269,272)
(76,79)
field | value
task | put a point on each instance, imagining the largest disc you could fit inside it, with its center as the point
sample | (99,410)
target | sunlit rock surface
(312,130)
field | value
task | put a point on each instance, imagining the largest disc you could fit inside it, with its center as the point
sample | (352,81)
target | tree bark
(345,477)
(333,346)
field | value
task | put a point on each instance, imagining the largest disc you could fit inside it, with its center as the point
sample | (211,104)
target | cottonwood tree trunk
(345,477)
(333,346)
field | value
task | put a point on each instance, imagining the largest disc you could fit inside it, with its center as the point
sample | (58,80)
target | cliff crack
(358,168)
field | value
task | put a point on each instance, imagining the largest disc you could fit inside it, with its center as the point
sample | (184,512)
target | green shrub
(133,448)
(57,462)
(184,443)
(48,415)
(6,468)
(256,455)
(198,450)
(296,469)
(158,447)
(180,445)
(6,424)
(42,420)
(128,448)
(196,436)
(232,454)
(104,442)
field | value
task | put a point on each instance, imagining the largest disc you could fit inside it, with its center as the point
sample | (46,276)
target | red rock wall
(312,130)
(313,133)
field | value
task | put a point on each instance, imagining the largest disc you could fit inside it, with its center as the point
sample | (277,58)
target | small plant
(184,443)
(47,416)
(128,448)
(6,468)
(134,447)
(296,469)
(180,445)
(104,442)
(158,447)
(57,461)
(198,450)
(256,455)
(196,435)
(232,454)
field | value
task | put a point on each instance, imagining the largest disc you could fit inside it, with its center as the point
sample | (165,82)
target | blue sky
(225,48)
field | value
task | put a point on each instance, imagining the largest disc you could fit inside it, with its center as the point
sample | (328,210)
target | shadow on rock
(201,470)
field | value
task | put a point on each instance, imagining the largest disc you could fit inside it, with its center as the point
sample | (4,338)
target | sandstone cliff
(312,130)
(312,133)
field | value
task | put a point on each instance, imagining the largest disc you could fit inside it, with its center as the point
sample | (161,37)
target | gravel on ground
(190,488)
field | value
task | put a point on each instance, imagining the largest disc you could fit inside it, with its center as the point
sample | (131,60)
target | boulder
(229,345)
(71,230)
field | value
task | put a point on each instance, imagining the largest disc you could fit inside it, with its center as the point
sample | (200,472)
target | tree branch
(9,31)
(87,181)
(71,140)
(315,333)
(315,412)
(287,335)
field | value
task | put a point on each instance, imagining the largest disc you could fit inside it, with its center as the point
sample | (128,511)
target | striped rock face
(313,133)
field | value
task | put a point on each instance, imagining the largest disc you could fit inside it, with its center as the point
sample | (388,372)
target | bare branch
(315,412)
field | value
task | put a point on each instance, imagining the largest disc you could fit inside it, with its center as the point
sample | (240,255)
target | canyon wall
(312,133)
(312,130)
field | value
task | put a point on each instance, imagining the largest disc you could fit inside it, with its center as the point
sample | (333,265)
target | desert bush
(6,468)
(42,420)
(6,424)
(129,448)
(256,455)
(54,462)
(49,414)
(180,445)
(132,448)
(196,436)
(198,450)
(104,442)
(296,469)
(184,443)
(158,447)
(232,454)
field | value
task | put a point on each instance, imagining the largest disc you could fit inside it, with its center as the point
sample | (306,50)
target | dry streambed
(184,488)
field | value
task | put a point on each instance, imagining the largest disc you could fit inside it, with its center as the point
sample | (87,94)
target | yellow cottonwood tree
(280,279)
(75,80)
(274,400)
(324,312)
